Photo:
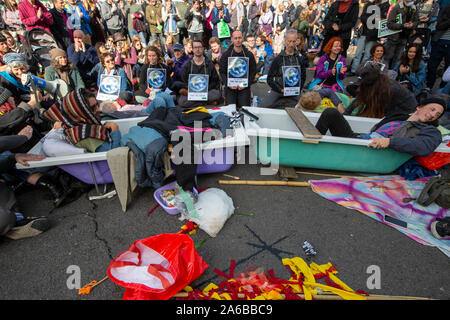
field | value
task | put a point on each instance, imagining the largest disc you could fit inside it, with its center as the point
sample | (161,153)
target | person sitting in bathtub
(416,134)
(78,115)
(331,67)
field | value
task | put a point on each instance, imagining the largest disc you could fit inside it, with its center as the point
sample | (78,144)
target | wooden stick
(266,183)
(327,296)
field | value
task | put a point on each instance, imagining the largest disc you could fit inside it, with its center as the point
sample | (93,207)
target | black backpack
(436,190)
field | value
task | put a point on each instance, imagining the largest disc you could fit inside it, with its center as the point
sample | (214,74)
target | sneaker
(29,227)
(440,228)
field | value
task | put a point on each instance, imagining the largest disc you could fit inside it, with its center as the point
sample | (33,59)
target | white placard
(109,88)
(291,80)
(198,87)
(156,78)
(238,72)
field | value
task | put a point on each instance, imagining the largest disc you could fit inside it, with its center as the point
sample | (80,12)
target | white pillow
(55,144)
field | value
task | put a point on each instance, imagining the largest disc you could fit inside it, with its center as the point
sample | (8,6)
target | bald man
(240,96)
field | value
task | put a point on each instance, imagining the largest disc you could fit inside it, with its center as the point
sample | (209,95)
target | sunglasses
(109,61)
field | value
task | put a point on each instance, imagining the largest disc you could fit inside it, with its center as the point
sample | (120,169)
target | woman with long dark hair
(379,96)
(411,68)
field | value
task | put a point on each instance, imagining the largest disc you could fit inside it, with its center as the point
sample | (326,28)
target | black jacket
(143,75)
(59,29)
(368,17)
(223,64)
(275,75)
(206,68)
(443,23)
(346,23)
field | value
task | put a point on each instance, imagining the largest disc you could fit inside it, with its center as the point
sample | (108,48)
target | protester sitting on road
(61,68)
(375,61)
(275,79)
(199,64)
(411,69)
(331,67)
(154,61)
(416,134)
(84,58)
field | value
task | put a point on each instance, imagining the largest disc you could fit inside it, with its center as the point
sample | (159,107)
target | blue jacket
(177,69)
(417,80)
(75,20)
(83,61)
(119,72)
(424,140)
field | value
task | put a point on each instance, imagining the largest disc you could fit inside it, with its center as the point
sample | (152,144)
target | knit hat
(14,57)
(78,119)
(435,99)
(57,52)
(78,34)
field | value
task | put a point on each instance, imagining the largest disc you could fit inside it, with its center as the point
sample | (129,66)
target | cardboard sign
(384,31)
(198,87)
(156,78)
(238,72)
(291,80)
(109,88)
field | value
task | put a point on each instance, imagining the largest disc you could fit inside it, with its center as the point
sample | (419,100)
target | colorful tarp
(381,196)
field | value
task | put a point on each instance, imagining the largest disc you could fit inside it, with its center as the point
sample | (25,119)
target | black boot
(57,192)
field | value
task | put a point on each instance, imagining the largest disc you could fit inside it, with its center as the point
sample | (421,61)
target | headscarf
(77,118)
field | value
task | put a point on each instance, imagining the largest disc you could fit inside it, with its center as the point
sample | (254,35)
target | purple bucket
(157,195)
(212,161)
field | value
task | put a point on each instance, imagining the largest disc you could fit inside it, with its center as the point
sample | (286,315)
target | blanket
(378,197)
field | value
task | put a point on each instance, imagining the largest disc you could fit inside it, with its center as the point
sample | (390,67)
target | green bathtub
(276,140)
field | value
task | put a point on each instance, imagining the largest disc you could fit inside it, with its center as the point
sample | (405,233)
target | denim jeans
(162,99)
(362,52)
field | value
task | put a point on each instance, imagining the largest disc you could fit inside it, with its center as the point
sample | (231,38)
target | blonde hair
(310,100)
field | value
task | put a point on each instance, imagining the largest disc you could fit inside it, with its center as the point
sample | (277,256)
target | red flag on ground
(158,267)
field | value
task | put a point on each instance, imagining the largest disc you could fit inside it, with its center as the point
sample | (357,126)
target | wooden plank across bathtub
(305,126)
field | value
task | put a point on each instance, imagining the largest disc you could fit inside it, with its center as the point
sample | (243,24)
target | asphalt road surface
(87,235)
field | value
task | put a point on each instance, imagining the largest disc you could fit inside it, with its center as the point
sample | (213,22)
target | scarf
(79,122)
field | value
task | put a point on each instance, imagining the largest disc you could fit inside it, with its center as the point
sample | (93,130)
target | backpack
(436,190)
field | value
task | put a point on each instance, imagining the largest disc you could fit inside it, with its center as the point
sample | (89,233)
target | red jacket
(28,15)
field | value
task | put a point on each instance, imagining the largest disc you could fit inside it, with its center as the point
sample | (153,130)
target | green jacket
(407,14)
(154,16)
(74,75)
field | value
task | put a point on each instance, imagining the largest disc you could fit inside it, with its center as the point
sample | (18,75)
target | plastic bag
(212,210)
(158,267)
(434,161)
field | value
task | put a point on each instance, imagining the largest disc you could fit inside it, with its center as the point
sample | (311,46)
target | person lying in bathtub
(319,100)
(417,134)
(78,116)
